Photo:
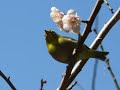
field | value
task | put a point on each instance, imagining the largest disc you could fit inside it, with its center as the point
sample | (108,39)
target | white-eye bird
(61,47)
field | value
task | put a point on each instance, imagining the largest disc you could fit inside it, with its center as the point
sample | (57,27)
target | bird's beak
(45,33)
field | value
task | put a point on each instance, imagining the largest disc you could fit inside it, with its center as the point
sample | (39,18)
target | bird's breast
(59,53)
(51,48)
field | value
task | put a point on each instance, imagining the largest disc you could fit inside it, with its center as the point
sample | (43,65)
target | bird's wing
(66,41)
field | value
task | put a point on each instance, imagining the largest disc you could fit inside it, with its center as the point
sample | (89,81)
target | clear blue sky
(23,52)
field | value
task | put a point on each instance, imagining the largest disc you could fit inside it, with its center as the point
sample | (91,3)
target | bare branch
(72,85)
(98,40)
(110,8)
(94,74)
(42,84)
(7,79)
(112,74)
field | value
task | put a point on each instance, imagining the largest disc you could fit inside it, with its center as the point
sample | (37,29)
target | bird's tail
(99,54)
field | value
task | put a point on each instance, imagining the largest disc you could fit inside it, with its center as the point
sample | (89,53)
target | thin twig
(97,41)
(112,74)
(42,84)
(72,85)
(94,74)
(110,8)
(84,21)
(7,79)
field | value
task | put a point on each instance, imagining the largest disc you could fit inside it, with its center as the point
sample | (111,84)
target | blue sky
(23,52)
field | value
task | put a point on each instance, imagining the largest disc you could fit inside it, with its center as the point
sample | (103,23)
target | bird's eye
(54,33)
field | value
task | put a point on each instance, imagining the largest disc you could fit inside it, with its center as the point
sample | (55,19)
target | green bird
(61,48)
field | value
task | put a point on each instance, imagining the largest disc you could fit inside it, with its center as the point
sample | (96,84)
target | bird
(62,47)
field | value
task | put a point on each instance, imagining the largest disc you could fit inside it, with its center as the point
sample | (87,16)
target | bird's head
(51,36)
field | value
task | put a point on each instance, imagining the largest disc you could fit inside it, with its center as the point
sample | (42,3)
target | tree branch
(65,81)
(7,79)
(108,66)
(97,41)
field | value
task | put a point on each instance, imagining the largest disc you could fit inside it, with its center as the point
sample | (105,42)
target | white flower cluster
(69,22)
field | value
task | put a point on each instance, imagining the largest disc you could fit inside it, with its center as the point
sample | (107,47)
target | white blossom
(69,22)
(57,16)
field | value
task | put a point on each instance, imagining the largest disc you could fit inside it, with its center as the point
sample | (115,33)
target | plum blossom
(69,22)
(57,16)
